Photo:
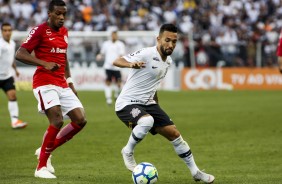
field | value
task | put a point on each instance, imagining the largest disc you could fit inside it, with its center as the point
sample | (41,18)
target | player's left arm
(68,77)
(280,63)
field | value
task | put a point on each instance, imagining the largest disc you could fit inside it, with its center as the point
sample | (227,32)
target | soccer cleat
(201,176)
(129,160)
(49,166)
(19,124)
(109,101)
(43,173)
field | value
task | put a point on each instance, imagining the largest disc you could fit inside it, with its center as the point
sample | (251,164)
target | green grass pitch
(235,135)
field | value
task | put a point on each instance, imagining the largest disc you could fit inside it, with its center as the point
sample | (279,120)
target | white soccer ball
(145,173)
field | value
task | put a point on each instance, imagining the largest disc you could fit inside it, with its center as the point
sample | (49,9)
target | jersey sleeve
(136,56)
(32,40)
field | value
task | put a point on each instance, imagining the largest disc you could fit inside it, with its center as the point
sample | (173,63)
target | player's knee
(146,121)
(81,122)
(174,135)
(57,124)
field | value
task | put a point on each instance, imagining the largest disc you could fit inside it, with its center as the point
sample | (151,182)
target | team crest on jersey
(66,39)
(48,32)
(135,112)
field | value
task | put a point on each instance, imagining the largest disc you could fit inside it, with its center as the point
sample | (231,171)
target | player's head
(57,12)
(167,39)
(114,36)
(6,30)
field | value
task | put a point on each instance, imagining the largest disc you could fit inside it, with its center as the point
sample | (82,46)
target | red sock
(47,145)
(66,134)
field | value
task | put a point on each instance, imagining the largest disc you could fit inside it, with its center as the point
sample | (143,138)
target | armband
(69,80)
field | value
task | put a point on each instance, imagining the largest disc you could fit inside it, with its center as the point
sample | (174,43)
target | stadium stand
(225,32)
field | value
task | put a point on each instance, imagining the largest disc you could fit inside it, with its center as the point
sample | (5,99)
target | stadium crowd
(225,32)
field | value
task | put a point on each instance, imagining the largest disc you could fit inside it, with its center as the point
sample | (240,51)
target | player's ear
(49,13)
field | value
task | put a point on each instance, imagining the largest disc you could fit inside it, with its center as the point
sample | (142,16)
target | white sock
(13,110)
(108,93)
(116,90)
(184,152)
(143,126)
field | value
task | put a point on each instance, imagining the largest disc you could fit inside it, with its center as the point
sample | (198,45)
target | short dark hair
(168,27)
(5,24)
(56,3)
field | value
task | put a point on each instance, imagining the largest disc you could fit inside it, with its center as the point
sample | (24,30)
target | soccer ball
(145,173)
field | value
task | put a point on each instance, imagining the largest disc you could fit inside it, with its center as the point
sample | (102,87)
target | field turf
(235,135)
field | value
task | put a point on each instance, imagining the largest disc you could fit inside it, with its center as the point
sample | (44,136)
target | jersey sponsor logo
(48,32)
(30,34)
(51,39)
(156,59)
(135,112)
(58,50)
(136,101)
(154,67)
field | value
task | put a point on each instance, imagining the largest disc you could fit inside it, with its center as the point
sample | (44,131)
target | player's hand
(137,65)
(99,57)
(17,73)
(280,67)
(52,66)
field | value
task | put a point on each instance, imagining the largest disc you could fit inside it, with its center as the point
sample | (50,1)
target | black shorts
(113,75)
(7,84)
(130,114)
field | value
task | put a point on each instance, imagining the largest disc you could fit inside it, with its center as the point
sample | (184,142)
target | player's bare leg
(65,134)
(55,118)
(183,150)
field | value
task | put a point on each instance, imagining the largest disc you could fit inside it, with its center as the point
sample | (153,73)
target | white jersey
(112,51)
(7,55)
(142,84)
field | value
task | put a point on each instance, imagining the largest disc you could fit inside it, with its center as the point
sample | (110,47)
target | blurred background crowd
(221,32)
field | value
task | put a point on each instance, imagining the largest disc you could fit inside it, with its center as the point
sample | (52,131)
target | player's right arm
(122,63)
(33,40)
(24,56)
(280,64)
(279,53)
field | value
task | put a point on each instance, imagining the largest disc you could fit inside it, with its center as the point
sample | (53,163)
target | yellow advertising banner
(231,79)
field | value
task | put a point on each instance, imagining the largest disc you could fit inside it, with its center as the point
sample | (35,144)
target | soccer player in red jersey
(279,52)
(52,84)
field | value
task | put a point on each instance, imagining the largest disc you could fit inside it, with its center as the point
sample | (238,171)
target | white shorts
(49,96)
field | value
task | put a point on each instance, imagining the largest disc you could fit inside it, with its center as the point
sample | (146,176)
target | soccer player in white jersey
(111,50)
(7,83)
(137,105)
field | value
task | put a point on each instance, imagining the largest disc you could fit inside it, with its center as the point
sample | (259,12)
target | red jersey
(279,47)
(50,46)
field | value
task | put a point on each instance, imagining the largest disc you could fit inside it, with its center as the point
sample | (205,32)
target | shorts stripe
(41,101)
